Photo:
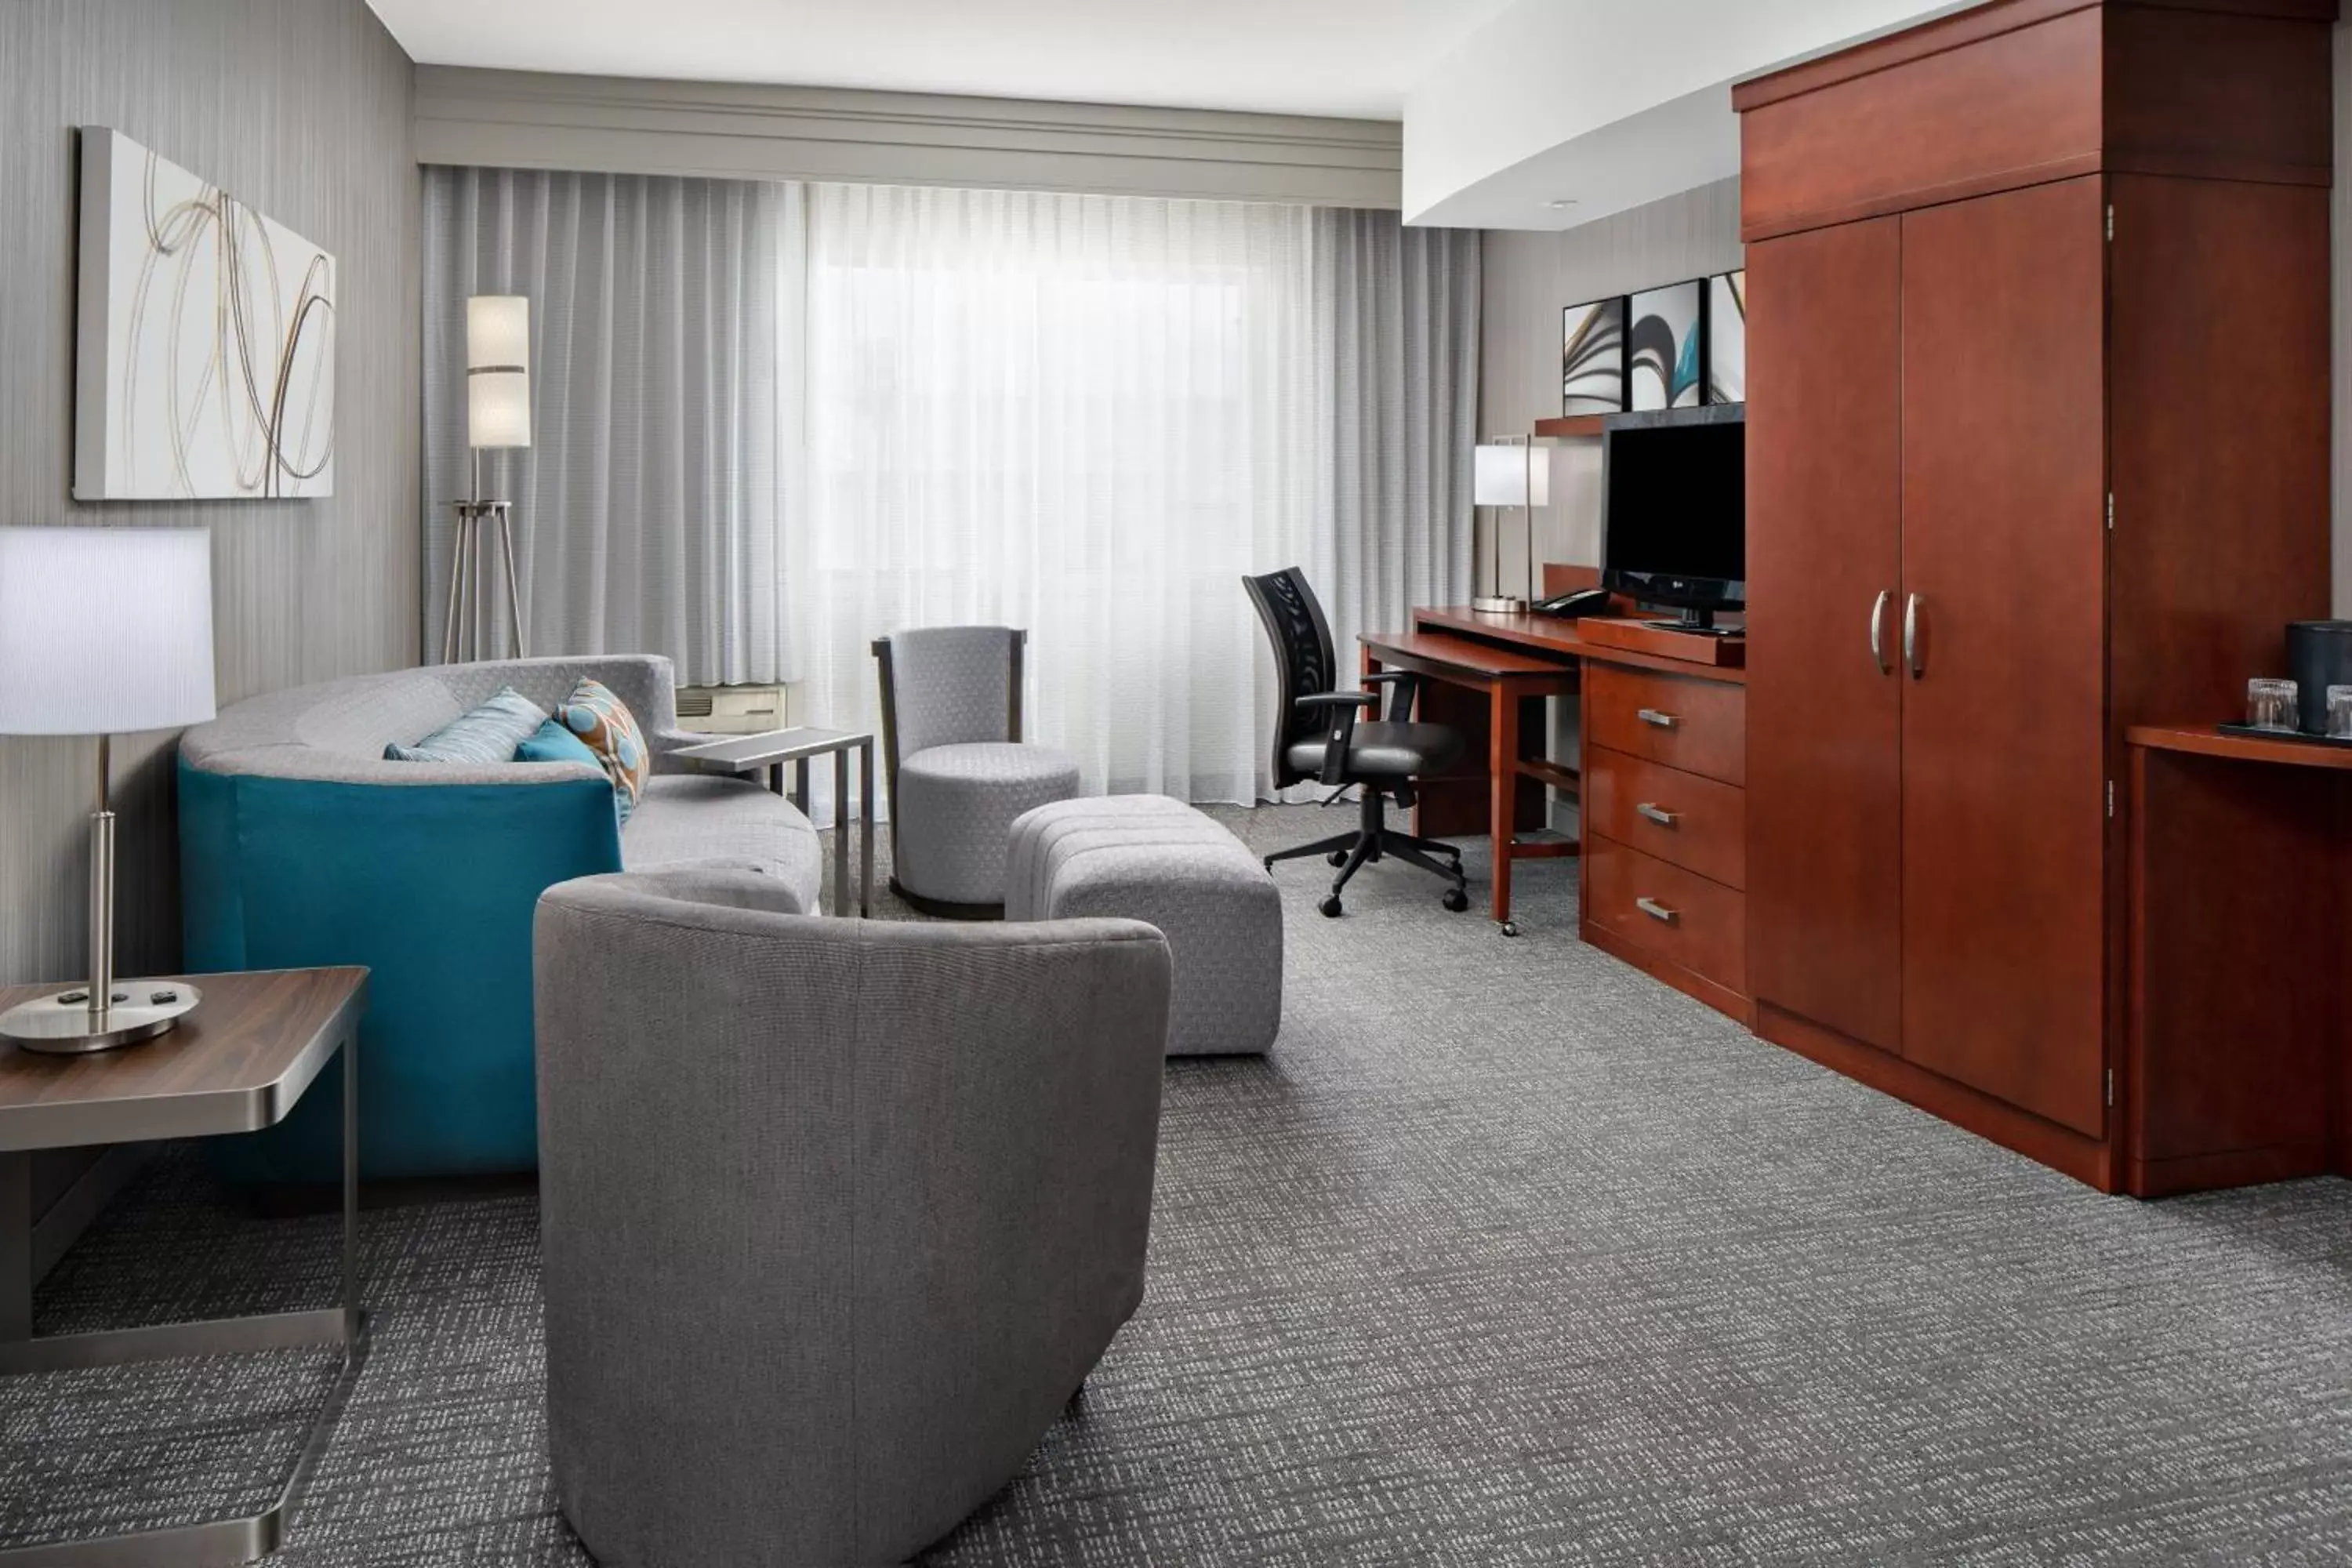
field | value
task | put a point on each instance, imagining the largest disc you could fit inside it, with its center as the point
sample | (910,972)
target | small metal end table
(772,749)
(237,1064)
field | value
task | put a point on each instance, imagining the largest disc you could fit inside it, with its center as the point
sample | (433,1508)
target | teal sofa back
(433,889)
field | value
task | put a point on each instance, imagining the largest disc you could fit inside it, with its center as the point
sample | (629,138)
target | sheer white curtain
(1085,416)
(646,507)
(1090,416)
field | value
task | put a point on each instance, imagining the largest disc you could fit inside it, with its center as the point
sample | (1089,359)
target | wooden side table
(237,1064)
(772,749)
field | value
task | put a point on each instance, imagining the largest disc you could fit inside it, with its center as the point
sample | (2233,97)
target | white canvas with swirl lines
(205,362)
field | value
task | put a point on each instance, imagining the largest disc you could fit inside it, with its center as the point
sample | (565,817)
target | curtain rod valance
(586,124)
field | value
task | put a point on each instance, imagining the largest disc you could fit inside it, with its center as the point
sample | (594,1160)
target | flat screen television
(1675,513)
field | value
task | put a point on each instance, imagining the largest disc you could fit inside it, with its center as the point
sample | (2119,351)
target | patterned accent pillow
(610,730)
(486,734)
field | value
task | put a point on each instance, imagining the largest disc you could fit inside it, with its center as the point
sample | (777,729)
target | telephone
(1580,602)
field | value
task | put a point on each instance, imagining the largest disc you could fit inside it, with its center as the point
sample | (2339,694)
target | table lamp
(498,417)
(1505,472)
(103,631)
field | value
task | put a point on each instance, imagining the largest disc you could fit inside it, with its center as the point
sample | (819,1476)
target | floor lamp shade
(498,371)
(105,631)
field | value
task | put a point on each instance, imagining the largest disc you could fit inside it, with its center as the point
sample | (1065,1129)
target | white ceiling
(1351,58)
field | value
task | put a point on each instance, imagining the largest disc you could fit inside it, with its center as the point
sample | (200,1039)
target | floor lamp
(497,416)
(103,632)
(1510,471)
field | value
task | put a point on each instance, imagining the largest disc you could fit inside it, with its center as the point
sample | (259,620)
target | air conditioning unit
(735,709)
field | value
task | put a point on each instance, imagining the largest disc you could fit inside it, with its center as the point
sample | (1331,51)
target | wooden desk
(2236,1043)
(1505,679)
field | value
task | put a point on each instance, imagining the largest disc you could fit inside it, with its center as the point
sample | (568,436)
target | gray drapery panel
(1397,330)
(647,504)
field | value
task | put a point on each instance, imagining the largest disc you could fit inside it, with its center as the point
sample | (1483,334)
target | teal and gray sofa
(299,845)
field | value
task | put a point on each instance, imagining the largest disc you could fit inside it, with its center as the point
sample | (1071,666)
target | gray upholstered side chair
(837,1214)
(956,766)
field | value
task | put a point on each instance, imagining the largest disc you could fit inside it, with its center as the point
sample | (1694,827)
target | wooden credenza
(1664,827)
(1998,511)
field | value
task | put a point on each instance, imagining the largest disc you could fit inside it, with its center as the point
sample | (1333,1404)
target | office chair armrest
(1407,693)
(1345,706)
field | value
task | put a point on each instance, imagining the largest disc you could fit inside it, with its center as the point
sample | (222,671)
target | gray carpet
(1509,1255)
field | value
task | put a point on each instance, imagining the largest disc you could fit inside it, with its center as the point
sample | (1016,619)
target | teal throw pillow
(487,734)
(554,743)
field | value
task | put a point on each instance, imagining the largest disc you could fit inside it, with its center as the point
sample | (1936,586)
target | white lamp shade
(1511,475)
(498,371)
(105,631)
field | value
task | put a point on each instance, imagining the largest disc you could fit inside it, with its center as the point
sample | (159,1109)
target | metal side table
(237,1064)
(772,751)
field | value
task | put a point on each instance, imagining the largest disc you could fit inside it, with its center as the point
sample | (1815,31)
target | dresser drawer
(1686,820)
(1698,726)
(1665,909)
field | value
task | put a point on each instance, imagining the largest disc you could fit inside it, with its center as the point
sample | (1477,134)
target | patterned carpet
(1507,1255)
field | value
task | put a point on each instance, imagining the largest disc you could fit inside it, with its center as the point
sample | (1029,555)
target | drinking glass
(2339,712)
(2272,705)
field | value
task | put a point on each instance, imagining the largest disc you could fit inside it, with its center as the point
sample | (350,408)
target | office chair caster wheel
(1510,928)
(1330,907)
(1458,900)
(1337,857)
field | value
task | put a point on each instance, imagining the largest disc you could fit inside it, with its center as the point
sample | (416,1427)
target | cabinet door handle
(1915,638)
(1656,720)
(1658,911)
(1659,814)
(1878,631)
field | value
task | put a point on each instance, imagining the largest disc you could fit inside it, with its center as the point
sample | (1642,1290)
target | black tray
(2255,732)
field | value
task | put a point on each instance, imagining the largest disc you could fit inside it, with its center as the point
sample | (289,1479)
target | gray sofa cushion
(690,819)
(1147,857)
(955,806)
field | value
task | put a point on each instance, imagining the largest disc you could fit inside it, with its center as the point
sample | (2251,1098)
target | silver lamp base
(61,1023)
(1499,606)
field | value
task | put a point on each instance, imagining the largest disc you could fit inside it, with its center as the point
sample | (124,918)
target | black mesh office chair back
(1321,733)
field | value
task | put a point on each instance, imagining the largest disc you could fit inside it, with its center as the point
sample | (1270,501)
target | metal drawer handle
(1914,640)
(1659,814)
(1658,911)
(1656,720)
(1878,631)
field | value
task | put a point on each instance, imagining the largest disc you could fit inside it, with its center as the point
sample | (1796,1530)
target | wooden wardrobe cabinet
(2038,449)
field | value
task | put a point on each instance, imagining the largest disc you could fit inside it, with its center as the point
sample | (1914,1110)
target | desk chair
(1317,735)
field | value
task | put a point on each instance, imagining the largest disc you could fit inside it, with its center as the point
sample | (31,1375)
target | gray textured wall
(1530,278)
(301,108)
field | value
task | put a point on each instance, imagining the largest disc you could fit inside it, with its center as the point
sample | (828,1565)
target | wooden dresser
(1998,513)
(1664,766)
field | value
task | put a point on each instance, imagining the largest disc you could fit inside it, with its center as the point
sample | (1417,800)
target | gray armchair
(957,768)
(837,1214)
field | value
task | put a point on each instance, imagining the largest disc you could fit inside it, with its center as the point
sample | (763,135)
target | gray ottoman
(1146,858)
(956,803)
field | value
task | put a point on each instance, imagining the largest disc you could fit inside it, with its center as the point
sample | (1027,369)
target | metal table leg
(218,1543)
(865,829)
(801,785)
(840,834)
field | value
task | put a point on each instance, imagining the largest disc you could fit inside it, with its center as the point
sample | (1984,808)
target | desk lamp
(1510,471)
(103,631)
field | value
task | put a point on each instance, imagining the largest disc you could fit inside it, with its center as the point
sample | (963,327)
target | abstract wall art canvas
(205,356)
(1662,347)
(1592,358)
(1727,338)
